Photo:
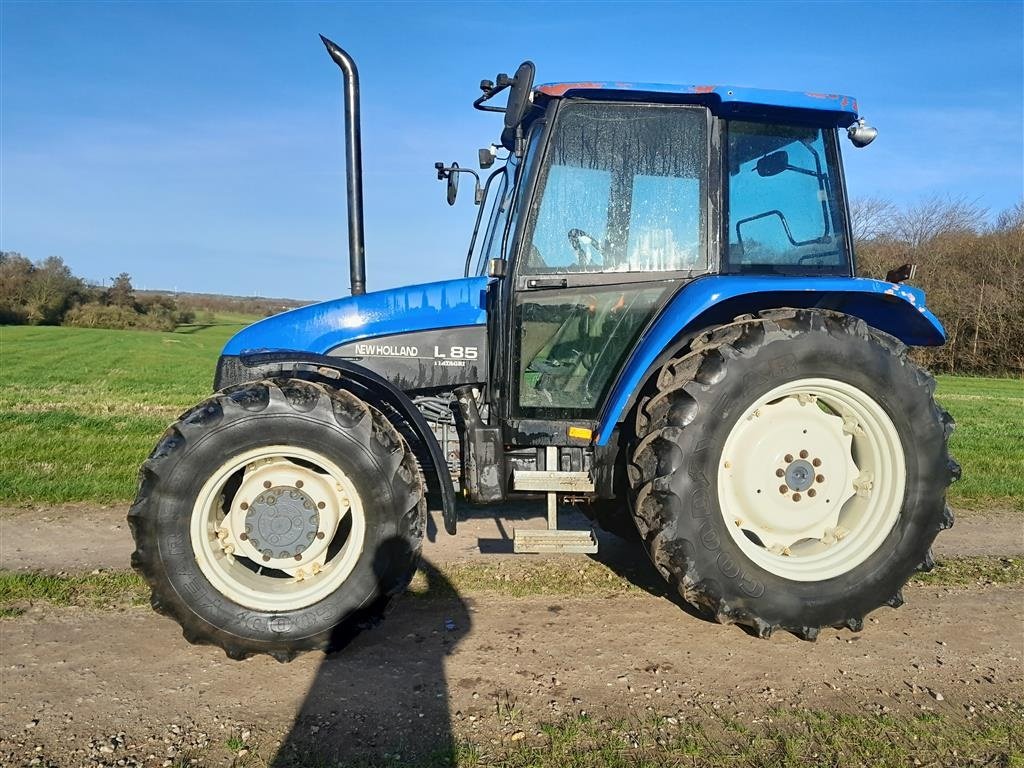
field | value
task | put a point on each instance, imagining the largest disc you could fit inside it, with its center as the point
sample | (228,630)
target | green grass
(518,579)
(81,408)
(988,441)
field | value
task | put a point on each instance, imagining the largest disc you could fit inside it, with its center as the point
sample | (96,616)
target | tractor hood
(319,328)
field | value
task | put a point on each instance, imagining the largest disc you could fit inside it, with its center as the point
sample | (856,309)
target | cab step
(551,540)
(559,482)
(540,541)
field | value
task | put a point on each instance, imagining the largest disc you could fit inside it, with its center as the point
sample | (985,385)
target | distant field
(80,409)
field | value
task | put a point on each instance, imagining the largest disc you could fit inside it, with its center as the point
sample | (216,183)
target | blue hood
(319,328)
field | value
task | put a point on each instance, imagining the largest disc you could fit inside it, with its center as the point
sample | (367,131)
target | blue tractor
(660,320)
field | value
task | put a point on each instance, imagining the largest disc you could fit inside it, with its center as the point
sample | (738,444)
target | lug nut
(820,478)
(266,557)
(816,462)
(812,493)
(298,483)
(298,556)
(789,458)
(780,473)
(320,534)
(266,483)
(243,536)
(803,454)
(320,505)
(244,505)
(783,488)
(796,497)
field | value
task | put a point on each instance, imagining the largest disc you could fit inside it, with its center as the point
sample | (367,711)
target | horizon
(217,165)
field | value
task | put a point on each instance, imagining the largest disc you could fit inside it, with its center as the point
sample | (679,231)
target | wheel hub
(811,478)
(776,462)
(284,516)
(799,475)
(282,522)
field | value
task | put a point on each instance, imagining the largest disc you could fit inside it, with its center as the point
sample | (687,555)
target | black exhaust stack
(353,167)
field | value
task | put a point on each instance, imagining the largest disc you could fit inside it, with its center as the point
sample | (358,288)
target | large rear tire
(278,517)
(789,471)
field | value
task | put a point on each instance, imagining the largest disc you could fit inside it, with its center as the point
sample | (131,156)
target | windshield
(784,209)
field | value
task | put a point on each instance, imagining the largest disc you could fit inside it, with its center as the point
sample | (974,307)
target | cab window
(784,210)
(621,190)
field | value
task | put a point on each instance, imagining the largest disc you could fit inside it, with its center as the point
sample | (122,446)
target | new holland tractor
(660,320)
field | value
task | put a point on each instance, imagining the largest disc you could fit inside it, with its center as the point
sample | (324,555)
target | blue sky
(198,146)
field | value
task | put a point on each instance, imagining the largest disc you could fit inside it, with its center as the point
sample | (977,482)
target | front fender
(897,309)
(362,382)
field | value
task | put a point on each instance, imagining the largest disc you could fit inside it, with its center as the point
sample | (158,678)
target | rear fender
(369,387)
(896,309)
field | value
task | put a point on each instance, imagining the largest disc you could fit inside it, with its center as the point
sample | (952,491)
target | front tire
(789,471)
(278,517)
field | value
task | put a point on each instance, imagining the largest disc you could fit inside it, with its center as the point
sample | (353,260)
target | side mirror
(453,183)
(451,174)
(487,156)
(519,95)
(773,164)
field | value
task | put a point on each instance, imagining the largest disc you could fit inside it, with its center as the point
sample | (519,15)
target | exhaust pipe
(353,167)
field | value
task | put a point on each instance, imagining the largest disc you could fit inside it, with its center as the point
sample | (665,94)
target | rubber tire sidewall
(724,573)
(390,550)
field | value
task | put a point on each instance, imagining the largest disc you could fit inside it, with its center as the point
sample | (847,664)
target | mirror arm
(443,172)
(490,90)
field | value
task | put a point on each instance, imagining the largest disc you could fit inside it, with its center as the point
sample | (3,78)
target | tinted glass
(622,190)
(783,205)
(572,342)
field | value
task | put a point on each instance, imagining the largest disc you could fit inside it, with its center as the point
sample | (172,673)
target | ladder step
(546,541)
(532,480)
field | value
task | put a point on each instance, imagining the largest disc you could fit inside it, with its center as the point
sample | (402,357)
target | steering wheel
(581,242)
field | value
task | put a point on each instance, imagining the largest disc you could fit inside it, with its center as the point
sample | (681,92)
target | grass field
(80,409)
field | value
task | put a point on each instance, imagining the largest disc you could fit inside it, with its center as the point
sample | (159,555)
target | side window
(621,190)
(572,342)
(783,206)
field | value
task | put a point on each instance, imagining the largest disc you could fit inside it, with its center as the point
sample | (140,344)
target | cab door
(617,222)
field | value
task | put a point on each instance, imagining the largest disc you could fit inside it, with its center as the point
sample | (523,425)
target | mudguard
(364,383)
(897,309)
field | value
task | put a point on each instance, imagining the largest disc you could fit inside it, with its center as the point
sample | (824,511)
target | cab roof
(724,100)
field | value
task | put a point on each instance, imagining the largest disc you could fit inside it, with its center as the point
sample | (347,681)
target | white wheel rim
(811,479)
(290,533)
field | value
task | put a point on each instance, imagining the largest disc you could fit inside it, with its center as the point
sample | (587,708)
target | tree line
(970,265)
(48,293)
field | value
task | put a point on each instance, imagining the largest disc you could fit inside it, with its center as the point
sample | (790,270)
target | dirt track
(85,537)
(73,679)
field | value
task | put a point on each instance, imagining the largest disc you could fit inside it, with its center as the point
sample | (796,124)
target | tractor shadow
(381,697)
(625,556)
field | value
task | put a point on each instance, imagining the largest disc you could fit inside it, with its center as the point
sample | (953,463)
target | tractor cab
(612,196)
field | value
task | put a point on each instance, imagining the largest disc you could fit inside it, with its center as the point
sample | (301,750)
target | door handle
(551,282)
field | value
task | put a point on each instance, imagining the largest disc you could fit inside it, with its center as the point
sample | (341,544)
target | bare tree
(936,216)
(872,217)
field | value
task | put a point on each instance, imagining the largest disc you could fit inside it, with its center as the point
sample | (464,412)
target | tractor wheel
(278,517)
(790,470)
